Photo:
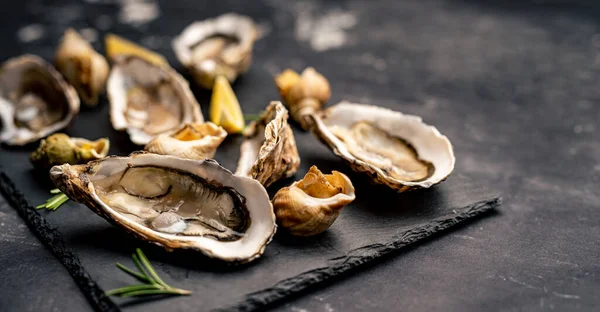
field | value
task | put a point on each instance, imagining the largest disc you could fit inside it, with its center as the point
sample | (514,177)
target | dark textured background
(514,84)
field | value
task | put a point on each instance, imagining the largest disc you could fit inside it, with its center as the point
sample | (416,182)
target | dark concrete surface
(514,84)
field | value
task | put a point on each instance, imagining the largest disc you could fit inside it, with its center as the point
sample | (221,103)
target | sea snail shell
(304,94)
(311,205)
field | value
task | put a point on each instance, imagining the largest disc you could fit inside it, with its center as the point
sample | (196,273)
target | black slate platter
(377,223)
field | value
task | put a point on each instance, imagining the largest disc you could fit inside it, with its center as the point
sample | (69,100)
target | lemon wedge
(225,109)
(116,45)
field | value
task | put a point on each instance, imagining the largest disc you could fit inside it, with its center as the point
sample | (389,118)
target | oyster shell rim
(117,117)
(276,131)
(195,32)
(322,132)
(86,194)
(181,43)
(69,92)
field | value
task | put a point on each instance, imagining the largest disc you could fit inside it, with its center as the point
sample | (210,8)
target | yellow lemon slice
(225,109)
(116,45)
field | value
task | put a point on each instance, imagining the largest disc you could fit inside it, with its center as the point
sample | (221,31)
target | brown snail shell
(304,94)
(82,66)
(311,205)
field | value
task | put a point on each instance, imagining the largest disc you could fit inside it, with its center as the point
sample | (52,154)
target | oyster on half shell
(193,141)
(35,100)
(218,46)
(148,99)
(269,151)
(395,149)
(175,203)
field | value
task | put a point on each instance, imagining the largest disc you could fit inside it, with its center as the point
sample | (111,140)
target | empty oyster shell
(193,141)
(269,151)
(304,94)
(397,150)
(218,46)
(311,205)
(35,101)
(175,203)
(59,149)
(148,99)
(82,66)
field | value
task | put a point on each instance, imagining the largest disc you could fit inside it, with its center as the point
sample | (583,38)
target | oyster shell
(59,149)
(304,94)
(35,100)
(175,203)
(218,46)
(311,205)
(397,150)
(193,141)
(82,66)
(269,151)
(148,99)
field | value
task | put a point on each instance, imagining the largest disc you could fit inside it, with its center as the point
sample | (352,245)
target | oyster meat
(193,141)
(59,149)
(269,151)
(35,100)
(148,99)
(82,66)
(175,202)
(311,205)
(215,47)
(397,150)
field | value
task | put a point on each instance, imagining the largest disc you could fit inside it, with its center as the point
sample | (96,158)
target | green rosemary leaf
(150,269)
(126,289)
(153,284)
(140,277)
(155,292)
(55,201)
(55,191)
(138,265)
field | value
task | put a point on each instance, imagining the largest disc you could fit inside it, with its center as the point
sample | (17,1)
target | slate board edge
(294,285)
(52,239)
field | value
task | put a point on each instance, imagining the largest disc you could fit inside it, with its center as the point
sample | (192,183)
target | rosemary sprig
(55,201)
(153,284)
(252,117)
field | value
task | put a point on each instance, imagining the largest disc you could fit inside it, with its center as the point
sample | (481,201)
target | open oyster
(35,101)
(148,99)
(59,149)
(82,66)
(397,150)
(311,205)
(218,46)
(193,141)
(269,152)
(175,203)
